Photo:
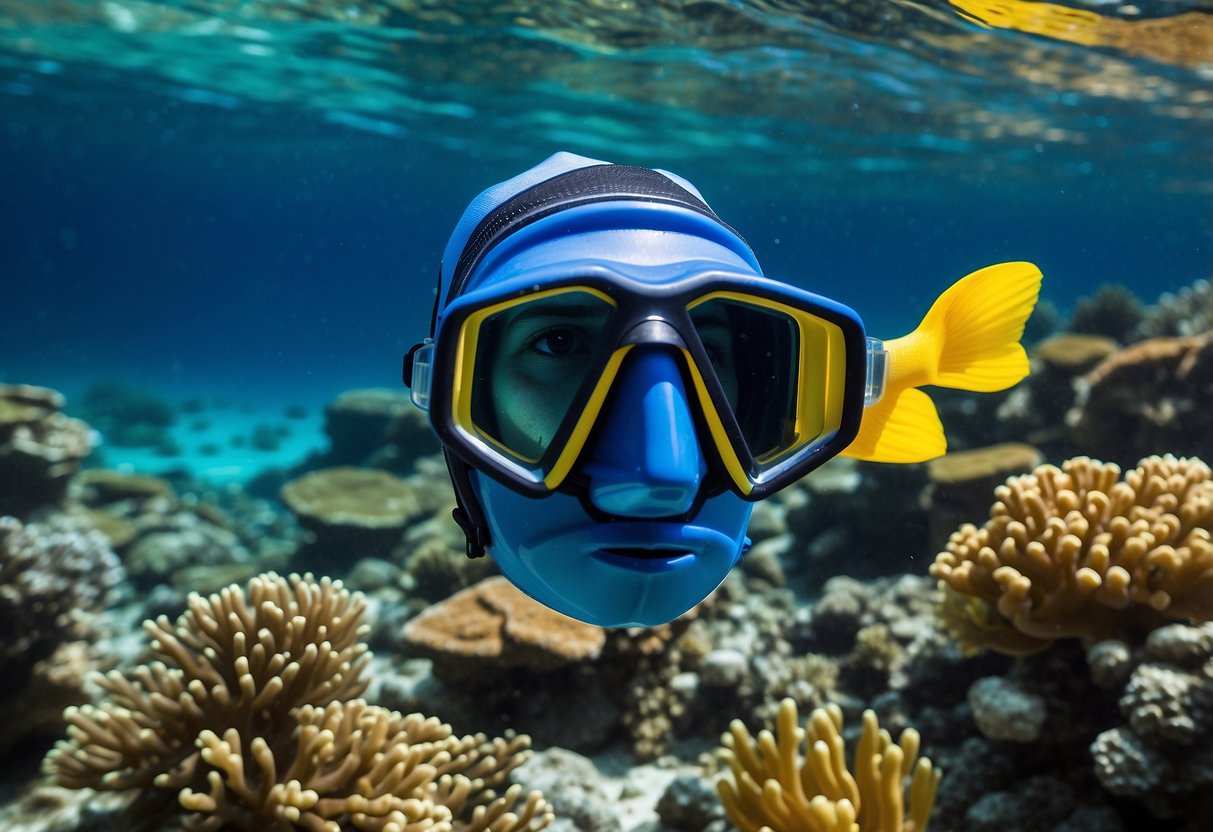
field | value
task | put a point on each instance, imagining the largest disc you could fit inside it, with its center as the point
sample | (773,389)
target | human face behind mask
(540,355)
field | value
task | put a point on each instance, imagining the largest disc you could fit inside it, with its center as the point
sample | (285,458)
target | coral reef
(249,714)
(51,587)
(1113,311)
(796,779)
(199,540)
(961,481)
(376,428)
(1184,313)
(357,422)
(174,548)
(1152,395)
(1035,410)
(48,585)
(493,626)
(40,448)
(1161,755)
(351,513)
(830,519)
(1074,552)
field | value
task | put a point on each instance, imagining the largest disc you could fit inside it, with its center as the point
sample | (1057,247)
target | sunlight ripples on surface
(873,84)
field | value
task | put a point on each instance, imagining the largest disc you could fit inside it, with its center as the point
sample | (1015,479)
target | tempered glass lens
(763,354)
(531,361)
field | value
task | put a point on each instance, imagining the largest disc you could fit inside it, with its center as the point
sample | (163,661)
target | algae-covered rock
(357,422)
(40,448)
(102,487)
(1072,354)
(1156,395)
(352,513)
(963,483)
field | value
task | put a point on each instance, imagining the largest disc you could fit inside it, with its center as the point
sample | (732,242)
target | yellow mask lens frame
(829,358)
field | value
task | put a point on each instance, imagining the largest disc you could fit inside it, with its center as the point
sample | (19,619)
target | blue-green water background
(184,212)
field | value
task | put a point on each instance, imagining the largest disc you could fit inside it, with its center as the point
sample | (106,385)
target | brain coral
(777,787)
(248,715)
(1075,552)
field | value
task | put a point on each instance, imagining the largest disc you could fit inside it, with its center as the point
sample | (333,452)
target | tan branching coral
(249,715)
(367,767)
(797,780)
(1075,552)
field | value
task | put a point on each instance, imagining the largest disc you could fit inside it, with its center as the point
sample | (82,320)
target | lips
(645,559)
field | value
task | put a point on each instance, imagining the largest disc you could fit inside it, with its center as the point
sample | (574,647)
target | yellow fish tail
(902,427)
(970,337)
(969,340)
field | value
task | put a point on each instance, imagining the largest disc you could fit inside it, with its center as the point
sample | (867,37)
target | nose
(645,459)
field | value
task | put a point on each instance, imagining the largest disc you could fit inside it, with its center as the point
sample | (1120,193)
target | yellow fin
(972,332)
(901,427)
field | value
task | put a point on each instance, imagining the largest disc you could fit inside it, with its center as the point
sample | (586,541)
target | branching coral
(250,716)
(778,787)
(1074,552)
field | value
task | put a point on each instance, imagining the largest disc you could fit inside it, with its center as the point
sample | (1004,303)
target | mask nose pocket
(645,459)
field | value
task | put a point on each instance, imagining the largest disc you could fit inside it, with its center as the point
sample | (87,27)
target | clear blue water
(250,199)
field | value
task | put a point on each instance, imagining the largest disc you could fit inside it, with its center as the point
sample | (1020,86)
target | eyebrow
(558,309)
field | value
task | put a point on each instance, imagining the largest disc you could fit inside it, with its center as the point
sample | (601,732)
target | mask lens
(532,360)
(781,370)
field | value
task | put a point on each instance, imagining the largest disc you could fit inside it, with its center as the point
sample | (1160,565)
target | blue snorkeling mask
(615,383)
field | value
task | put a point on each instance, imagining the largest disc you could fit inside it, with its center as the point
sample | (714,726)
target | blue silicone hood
(635,216)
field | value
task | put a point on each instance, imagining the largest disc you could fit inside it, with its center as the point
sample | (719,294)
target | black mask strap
(467,512)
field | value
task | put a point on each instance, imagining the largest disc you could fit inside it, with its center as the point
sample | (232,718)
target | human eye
(560,341)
